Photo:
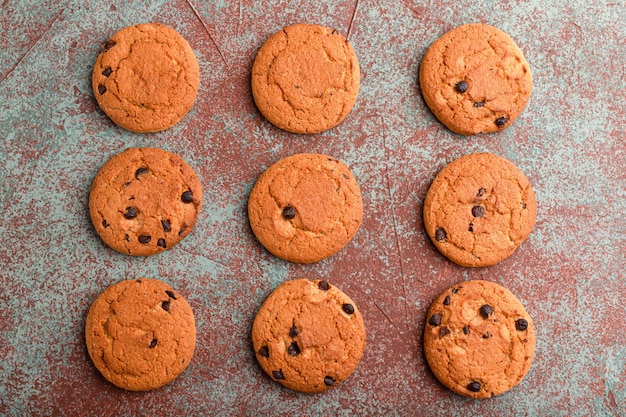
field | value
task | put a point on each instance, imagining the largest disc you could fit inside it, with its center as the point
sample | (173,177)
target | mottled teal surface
(570,142)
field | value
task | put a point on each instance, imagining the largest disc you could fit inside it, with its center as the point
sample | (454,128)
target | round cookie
(475,79)
(144,201)
(146,77)
(140,334)
(478,339)
(308,335)
(305,207)
(305,78)
(479,209)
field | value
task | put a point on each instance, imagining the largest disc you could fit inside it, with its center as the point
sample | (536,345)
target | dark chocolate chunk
(446,301)
(131,213)
(107,71)
(294,331)
(108,45)
(329,380)
(487,335)
(264,351)
(435,320)
(167,227)
(501,121)
(461,86)
(474,386)
(105,224)
(521,324)
(293,349)
(486,311)
(165,305)
(170,294)
(161,243)
(140,171)
(278,374)
(187,197)
(466,329)
(144,239)
(479,104)
(101,89)
(348,308)
(478,211)
(153,343)
(440,235)
(323,285)
(289,212)
(444,331)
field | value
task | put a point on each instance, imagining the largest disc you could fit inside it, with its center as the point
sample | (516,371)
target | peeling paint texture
(570,142)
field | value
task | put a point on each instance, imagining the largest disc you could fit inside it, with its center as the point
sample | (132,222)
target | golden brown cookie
(308,335)
(144,201)
(146,77)
(478,339)
(479,209)
(475,79)
(140,334)
(305,207)
(305,78)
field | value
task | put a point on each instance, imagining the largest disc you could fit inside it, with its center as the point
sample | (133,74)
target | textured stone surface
(569,141)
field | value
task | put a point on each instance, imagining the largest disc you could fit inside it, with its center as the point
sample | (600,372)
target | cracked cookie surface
(479,209)
(305,208)
(140,334)
(146,77)
(144,201)
(305,78)
(308,335)
(479,341)
(475,79)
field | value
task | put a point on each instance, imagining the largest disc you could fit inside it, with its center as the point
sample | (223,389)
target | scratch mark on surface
(239,18)
(356,6)
(204,257)
(32,46)
(195,11)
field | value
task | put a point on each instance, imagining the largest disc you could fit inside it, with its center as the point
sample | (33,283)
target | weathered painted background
(570,141)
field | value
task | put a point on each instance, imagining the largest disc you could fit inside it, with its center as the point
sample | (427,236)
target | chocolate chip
(289,212)
(329,380)
(167,227)
(170,294)
(461,86)
(501,121)
(466,329)
(474,386)
(479,104)
(131,213)
(101,89)
(348,308)
(140,171)
(478,211)
(144,239)
(487,335)
(486,311)
(107,71)
(153,343)
(471,227)
(523,205)
(481,192)
(443,331)
(440,235)
(264,351)
(323,285)
(127,238)
(446,301)
(521,324)
(294,331)
(435,320)
(161,243)
(108,45)
(293,349)
(165,305)
(455,290)
(278,374)
(105,224)
(187,197)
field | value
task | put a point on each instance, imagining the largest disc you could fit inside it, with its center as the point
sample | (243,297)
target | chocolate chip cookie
(479,209)
(478,339)
(144,201)
(140,334)
(308,335)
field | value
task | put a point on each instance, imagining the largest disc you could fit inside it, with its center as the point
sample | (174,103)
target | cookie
(305,78)
(140,334)
(146,77)
(479,209)
(475,79)
(305,207)
(144,201)
(478,339)
(308,335)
